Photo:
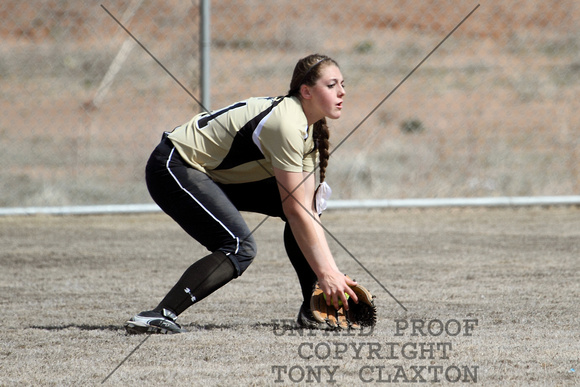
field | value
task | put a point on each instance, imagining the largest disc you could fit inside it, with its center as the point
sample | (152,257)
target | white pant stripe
(199,203)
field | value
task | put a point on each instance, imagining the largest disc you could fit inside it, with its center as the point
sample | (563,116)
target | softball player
(256,155)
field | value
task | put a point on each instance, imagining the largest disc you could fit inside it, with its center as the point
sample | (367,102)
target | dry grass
(68,283)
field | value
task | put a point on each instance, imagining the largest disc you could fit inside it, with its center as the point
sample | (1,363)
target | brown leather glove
(361,314)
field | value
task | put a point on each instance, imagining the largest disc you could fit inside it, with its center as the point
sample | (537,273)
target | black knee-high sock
(306,275)
(198,281)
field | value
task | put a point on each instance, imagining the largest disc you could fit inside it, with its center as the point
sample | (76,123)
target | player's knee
(245,254)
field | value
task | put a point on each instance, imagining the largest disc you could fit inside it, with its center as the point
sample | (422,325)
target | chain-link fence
(493,112)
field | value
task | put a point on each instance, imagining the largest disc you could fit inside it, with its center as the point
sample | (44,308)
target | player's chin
(335,115)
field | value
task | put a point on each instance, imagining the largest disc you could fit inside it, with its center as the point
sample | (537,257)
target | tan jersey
(242,142)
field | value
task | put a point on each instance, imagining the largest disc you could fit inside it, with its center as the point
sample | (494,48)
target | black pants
(210,212)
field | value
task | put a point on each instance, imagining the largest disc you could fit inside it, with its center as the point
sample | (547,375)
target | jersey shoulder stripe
(243,148)
(203,121)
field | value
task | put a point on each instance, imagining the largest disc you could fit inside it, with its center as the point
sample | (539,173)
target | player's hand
(336,285)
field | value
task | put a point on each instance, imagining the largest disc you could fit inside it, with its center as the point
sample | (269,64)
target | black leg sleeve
(200,280)
(306,275)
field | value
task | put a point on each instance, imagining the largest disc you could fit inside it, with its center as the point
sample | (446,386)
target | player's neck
(312,115)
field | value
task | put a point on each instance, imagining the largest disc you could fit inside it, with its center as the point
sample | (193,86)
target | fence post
(204,46)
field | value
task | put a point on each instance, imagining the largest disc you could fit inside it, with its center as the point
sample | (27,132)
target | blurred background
(493,112)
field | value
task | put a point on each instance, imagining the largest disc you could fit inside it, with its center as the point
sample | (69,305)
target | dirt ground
(495,104)
(479,296)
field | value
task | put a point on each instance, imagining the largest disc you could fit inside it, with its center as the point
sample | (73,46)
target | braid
(321,135)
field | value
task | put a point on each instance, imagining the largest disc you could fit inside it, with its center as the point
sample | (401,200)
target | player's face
(328,92)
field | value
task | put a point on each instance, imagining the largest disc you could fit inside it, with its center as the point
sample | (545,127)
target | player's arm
(309,183)
(297,202)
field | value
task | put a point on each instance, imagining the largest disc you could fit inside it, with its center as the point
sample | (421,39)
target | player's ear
(305,92)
